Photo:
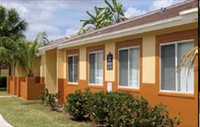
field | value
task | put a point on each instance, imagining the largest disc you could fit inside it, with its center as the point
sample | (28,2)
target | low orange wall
(11,85)
(26,87)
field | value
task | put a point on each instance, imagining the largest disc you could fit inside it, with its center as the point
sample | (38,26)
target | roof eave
(185,17)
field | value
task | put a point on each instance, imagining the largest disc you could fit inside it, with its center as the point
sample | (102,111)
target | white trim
(179,92)
(90,84)
(94,52)
(128,87)
(166,23)
(172,22)
(98,51)
(48,47)
(193,10)
(120,33)
(175,43)
(131,47)
(128,48)
(73,83)
(114,25)
(72,55)
(176,62)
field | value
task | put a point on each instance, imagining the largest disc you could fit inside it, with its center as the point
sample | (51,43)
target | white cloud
(157,4)
(130,12)
(41,16)
(56,18)
(51,5)
(71,31)
(21,9)
(34,29)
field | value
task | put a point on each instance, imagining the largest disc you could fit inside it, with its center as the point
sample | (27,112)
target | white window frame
(72,55)
(94,52)
(176,63)
(128,48)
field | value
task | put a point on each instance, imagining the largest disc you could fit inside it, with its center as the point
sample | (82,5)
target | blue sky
(62,17)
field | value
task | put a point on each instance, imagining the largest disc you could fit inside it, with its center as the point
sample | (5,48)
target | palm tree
(8,50)
(104,16)
(11,24)
(117,11)
(12,27)
(26,56)
(101,19)
(42,38)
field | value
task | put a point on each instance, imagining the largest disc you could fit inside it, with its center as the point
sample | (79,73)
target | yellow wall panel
(110,74)
(148,60)
(82,65)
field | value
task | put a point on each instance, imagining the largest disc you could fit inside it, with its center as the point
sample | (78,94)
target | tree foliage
(12,27)
(11,24)
(104,16)
(26,56)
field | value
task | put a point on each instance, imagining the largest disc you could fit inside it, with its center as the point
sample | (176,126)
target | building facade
(139,55)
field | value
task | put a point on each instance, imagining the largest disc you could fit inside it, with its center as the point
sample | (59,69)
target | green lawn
(22,113)
(3,93)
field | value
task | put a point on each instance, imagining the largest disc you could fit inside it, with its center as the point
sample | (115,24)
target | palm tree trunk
(9,70)
(0,71)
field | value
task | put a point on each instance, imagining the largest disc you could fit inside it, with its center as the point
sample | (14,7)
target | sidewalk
(3,123)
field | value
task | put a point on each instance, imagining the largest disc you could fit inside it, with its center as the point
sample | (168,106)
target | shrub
(99,108)
(112,109)
(78,104)
(44,96)
(53,101)
(118,109)
(159,116)
(50,99)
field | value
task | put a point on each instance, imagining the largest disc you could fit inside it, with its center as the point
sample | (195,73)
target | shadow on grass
(32,102)
(3,89)
(69,117)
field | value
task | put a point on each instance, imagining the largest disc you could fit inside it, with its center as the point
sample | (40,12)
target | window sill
(72,84)
(176,94)
(129,89)
(96,86)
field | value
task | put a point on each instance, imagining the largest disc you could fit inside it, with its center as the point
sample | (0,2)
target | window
(129,67)
(171,80)
(96,68)
(73,68)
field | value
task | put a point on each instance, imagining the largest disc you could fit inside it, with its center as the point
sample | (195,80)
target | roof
(169,12)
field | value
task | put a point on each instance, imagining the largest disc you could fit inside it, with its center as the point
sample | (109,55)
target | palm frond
(188,59)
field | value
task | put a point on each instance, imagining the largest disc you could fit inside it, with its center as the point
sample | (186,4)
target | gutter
(185,17)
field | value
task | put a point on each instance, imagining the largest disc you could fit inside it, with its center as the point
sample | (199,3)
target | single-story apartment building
(139,55)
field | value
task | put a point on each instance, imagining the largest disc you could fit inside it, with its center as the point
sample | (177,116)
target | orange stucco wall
(28,88)
(186,104)
(11,87)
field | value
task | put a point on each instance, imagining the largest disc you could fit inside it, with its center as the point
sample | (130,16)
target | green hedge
(118,109)
(3,82)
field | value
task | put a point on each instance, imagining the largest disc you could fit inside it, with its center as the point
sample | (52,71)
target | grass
(3,93)
(22,113)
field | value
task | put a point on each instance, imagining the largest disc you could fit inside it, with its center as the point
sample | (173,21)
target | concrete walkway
(7,96)
(3,122)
